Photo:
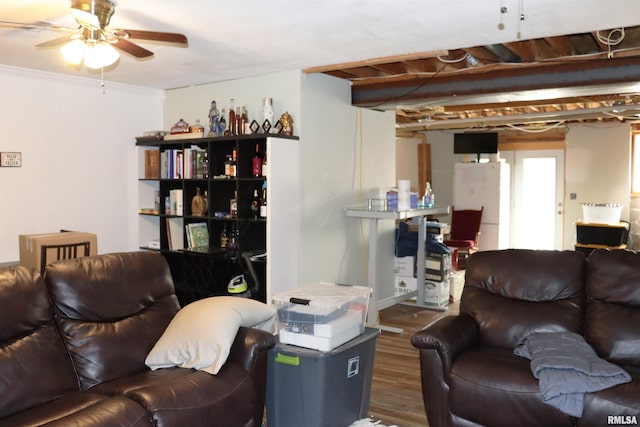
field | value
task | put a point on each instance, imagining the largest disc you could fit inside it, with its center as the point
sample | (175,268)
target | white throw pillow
(201,334)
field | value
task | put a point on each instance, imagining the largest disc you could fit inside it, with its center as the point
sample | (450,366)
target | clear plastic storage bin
(322,315)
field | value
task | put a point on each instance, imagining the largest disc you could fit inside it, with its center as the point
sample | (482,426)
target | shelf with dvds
(244,205)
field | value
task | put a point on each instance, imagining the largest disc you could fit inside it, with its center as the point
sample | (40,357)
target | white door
(538,193)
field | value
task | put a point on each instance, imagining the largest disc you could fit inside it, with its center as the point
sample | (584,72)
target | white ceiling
(234,39)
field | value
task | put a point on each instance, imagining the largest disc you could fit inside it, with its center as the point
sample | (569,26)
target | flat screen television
(475,143)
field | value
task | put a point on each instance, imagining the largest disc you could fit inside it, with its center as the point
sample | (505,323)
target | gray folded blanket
(566,368)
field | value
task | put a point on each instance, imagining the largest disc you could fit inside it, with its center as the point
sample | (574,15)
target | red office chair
(465,232)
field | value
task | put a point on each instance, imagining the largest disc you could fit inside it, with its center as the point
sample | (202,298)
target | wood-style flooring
(396,393)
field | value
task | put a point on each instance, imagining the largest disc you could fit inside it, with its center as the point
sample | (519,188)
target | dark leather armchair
(470,376)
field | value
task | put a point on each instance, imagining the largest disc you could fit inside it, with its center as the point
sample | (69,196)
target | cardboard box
(31,246)
(403,285)
(436,293)
(404,266)
(437,267)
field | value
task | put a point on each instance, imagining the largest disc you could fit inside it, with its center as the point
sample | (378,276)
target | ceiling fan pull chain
(104,92)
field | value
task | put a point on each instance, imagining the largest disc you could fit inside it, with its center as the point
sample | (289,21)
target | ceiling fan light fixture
(100,55)
(73,52)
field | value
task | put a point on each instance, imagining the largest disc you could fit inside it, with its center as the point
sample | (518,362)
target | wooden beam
(375,61)
(424,164)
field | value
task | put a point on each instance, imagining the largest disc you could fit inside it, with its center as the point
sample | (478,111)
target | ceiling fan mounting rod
(101,9)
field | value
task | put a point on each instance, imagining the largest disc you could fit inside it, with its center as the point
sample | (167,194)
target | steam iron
(237,285)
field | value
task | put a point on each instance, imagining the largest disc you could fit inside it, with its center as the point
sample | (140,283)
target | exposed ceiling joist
(578,76)
(408,90)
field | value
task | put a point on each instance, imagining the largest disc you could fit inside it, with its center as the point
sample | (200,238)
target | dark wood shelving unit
(202,273)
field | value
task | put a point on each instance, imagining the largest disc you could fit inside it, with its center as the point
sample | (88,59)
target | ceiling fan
(93,41)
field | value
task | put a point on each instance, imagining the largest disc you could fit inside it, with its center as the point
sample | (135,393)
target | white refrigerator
(485,184)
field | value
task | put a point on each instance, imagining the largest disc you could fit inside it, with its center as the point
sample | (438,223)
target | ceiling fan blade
(37,25)
(176,38)
(132,48)
(56,41)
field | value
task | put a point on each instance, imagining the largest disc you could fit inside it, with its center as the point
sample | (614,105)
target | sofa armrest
(439,344)
(448,336)
(250,349)
(249,346)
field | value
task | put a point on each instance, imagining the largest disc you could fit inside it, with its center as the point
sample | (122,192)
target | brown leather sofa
(73,347)
(470,375)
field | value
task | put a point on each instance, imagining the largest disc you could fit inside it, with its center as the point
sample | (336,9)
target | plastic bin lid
(323,294)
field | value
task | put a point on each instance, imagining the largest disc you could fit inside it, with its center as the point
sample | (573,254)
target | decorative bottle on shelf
(244,119)
(233,244)
(227,165)
(232,117)
(233,205)
(204,172)
(198,128)
(256,163)
(267,114)
(197,204)
(255,205)
(238,116)
(234,163)
(214,120)
(264,164)
(223,123)
(263,202)
(205,196)
(224,237)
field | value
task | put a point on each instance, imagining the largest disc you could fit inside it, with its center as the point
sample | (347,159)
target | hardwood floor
(396,394)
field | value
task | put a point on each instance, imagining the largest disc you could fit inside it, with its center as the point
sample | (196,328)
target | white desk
(374,214)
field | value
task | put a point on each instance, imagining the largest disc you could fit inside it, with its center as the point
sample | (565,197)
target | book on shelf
(200,164)
(151,164)
(175,234)
(197,235)
(187,163)
(176,202)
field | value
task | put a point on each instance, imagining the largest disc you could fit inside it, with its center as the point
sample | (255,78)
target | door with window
(537,199)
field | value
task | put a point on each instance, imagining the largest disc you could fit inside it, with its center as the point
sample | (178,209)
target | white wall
(331,246)
(597,169)
(407,160)
(193,102)
(347,157)
(79,162)
(442,161)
